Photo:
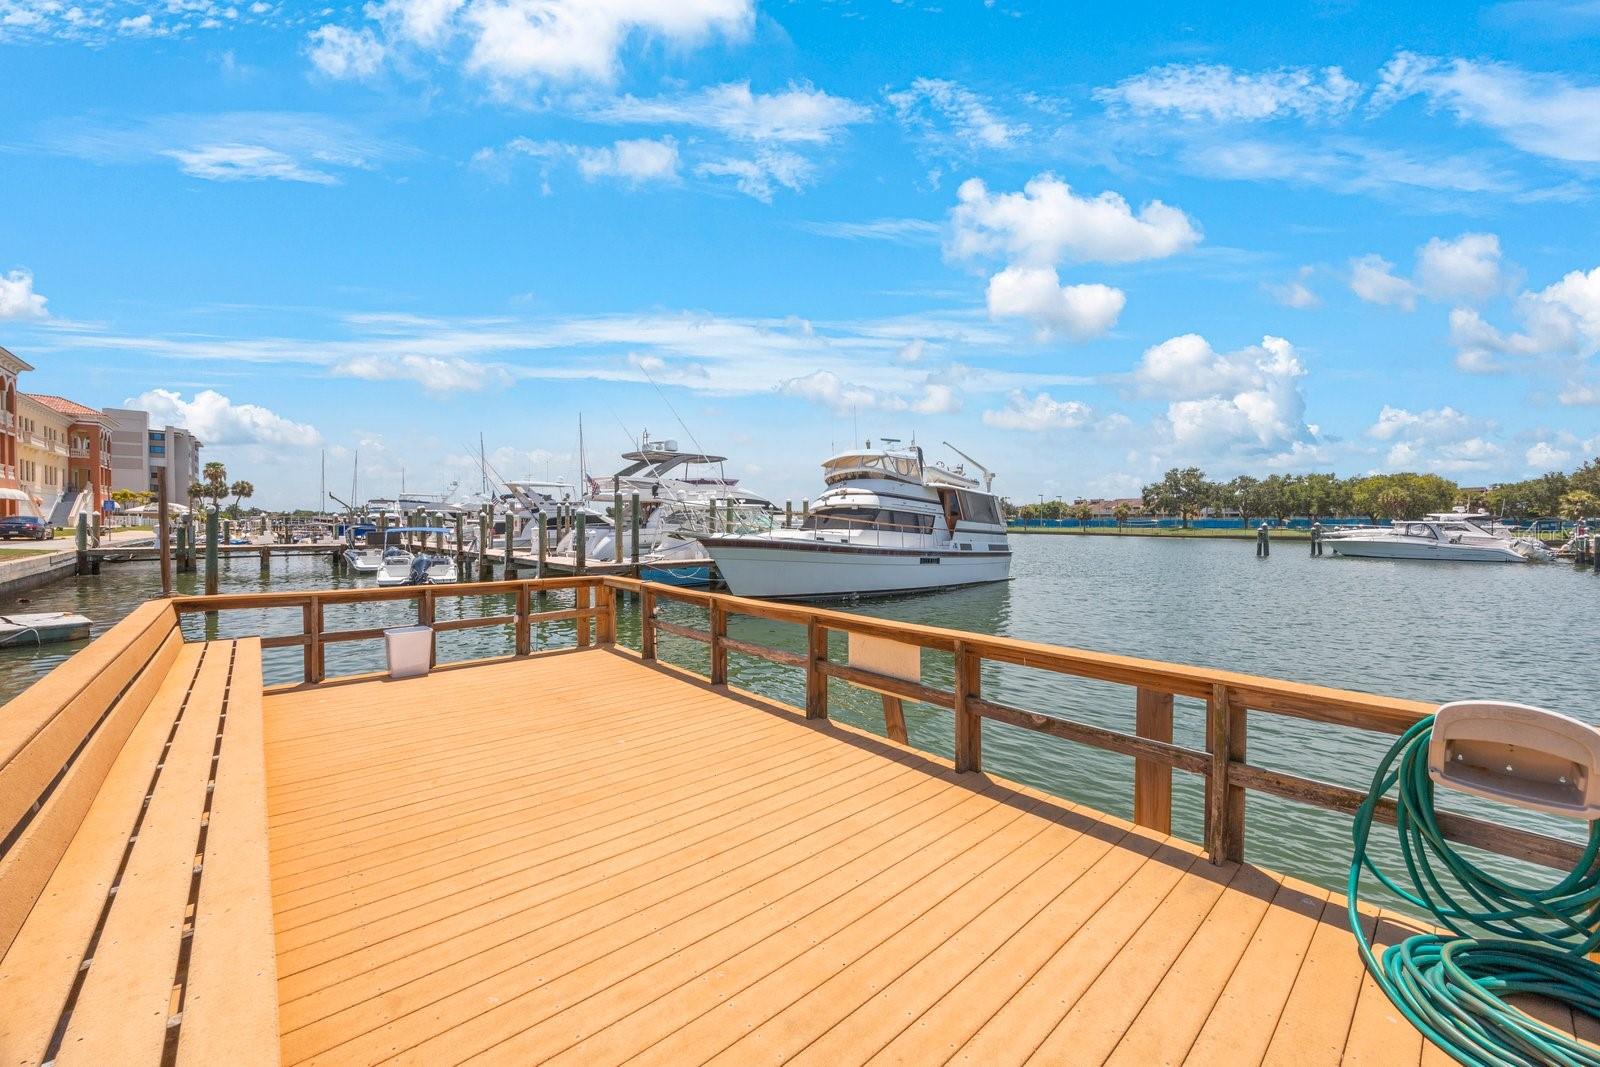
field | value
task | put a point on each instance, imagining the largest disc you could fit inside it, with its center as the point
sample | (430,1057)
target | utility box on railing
(410,650)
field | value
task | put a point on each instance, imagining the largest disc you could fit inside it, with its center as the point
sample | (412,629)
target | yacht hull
(798,570)
(1380,549)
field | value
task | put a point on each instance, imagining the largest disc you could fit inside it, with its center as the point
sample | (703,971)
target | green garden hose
(1508,938)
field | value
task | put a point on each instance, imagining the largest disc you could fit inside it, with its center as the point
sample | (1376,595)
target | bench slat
(26,867)
(41,728)
(37,971)
(122,1012)
(230,1010)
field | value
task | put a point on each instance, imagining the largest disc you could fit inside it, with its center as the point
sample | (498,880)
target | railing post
(1152,781)
(308,625)
(581,601)
(425,618)
(524,624)
(816,681)
(647,623)
(1225,737)
(969,724)
(894,719)
(719,651)
(606,625)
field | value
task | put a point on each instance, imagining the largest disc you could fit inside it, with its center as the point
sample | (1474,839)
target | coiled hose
(1508,938)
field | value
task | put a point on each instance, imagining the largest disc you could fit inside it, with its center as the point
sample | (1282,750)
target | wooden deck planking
(588,858)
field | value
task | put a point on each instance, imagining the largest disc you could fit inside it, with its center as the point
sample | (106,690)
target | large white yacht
(1427,540)
(889,522)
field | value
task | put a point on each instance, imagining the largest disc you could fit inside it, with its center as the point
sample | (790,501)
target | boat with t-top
(888,522)
(1426,540)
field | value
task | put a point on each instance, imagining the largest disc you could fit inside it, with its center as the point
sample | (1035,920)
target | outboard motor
(419,571)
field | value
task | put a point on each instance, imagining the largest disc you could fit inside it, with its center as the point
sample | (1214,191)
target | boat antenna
(988,475)
(685,426)
(583,468)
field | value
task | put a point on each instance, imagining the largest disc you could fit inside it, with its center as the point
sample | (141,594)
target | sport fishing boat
(1426,540)
(888,522)
(682,495)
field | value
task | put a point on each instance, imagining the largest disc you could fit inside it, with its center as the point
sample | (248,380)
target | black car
(25,526)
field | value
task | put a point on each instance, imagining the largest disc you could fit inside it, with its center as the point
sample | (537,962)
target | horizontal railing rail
(1230,698)
(593,608)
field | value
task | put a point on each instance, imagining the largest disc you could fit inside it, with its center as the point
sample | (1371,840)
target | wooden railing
(592,600)
(1230,698)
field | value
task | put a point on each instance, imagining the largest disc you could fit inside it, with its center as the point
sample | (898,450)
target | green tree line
(1188,493)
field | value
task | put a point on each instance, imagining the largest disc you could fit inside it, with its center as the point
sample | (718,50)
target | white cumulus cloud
(1047,223)
(217,420)
(512,42)
(1246,401)
(1079,312)
(1465,269)
(1039,412)
(342,53)
(1373,279)
(635,161)
(17,297)
(1560,321)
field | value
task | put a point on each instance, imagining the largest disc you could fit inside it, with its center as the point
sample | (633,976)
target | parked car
(25,526)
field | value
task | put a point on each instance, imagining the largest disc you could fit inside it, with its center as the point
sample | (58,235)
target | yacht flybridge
(889,522)
(681,495)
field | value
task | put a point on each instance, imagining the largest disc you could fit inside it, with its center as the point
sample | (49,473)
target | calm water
(1434,632)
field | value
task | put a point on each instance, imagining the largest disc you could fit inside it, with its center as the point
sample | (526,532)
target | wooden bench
(135,907)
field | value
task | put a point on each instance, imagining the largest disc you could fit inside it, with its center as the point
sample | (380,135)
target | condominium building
(42,434)
(86,444)
(13,500)
(139,450)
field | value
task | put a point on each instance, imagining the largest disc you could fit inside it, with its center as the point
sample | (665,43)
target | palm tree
(1083,513)
(214,483)
(1121,513)
(241,490)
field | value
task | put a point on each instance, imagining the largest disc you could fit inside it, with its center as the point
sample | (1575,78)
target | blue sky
(1082,244)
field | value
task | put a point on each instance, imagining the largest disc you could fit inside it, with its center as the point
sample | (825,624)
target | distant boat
(1425,540)
(888,522)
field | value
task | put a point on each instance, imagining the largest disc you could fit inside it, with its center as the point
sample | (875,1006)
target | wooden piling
(580,546)
(485,537)
(461,545)
(633,526)
(616,525)
(83,543)
(511,560)
(213,532)
(163,525)
(543,533)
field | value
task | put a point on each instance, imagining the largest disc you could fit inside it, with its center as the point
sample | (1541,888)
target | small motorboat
(364,560)
(396,567)
(431,570)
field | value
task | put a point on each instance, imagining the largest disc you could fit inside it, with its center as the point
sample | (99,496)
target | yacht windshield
(870,464)
(869,519)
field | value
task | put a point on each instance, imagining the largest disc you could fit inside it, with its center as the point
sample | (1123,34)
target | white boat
(888,522)
(1481,528)
(396,568)
(1425,540)
(364,560)
(682,495)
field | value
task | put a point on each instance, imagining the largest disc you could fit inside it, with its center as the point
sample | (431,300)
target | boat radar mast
(988,475)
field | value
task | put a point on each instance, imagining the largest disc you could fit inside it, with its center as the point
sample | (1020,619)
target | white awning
(14,494)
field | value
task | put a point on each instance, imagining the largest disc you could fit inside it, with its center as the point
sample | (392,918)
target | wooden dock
(584,855)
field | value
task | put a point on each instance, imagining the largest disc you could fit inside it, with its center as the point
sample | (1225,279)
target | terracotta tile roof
(64,406)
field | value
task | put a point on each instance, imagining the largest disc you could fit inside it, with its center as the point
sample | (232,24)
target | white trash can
(410,650)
